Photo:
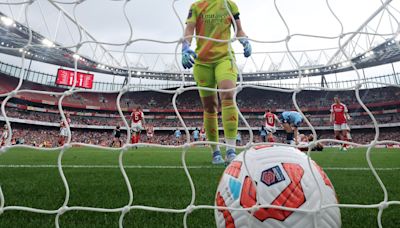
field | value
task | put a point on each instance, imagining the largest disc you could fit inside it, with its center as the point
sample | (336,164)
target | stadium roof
(15,36)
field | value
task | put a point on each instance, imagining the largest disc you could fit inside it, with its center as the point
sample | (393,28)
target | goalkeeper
(214,67)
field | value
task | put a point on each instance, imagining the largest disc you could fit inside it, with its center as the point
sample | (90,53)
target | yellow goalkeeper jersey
(212,20)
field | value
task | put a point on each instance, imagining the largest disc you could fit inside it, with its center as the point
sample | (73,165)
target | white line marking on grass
(174,167)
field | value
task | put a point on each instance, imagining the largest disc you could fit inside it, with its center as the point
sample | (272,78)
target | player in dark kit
(117,137)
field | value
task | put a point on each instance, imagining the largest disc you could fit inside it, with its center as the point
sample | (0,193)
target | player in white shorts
(63,130)
(339,117)
(270,124)
(137,117)
(202,134)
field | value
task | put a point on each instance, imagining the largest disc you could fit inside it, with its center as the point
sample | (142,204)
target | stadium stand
(37,118)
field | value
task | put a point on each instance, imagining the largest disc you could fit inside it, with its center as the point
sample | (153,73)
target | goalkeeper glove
(188,55)
(246,46)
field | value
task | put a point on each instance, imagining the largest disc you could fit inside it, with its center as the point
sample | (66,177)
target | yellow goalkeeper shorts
(210,74)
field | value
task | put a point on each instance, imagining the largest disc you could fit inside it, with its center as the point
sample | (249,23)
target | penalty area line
(174,167)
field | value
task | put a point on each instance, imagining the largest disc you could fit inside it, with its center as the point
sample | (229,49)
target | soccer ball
(282,177)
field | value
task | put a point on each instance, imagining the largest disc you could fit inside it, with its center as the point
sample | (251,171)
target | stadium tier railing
(49,79)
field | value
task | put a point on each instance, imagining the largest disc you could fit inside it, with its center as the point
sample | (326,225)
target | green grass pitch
(30,178)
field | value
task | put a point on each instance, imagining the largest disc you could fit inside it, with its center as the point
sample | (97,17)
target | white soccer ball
(283,178)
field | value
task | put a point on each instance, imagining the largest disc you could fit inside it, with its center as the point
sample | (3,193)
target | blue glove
(246,46)
(188,55)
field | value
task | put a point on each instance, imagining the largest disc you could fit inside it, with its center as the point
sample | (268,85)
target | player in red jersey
(270,120)
(202,134)
(339,117)
(150,133)
(63,130)
(4,136)
(137,119)
(304,140)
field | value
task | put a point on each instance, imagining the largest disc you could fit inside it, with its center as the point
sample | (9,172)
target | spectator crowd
(159,113)
(47,137)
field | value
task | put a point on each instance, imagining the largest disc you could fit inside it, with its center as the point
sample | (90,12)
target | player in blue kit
(196,135)
(177,134)
(290,121)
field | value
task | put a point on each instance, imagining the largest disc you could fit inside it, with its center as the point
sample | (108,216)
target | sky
(155,19)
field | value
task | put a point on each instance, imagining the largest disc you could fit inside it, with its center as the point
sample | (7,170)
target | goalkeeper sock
(229,120)
(211,127)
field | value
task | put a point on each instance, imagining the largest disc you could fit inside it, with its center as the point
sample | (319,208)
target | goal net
(343,58)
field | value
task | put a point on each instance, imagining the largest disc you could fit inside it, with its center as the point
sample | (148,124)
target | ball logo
(272,176)
(269,178)
(292,196)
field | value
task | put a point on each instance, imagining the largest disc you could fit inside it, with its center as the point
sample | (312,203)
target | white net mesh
(79,42)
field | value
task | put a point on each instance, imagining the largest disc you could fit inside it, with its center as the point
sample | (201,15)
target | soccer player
(214,67)
(303,140)
(178,135)
(339,116)
(263,133)
(270,120)
(202,134)
(238,139)
(63,130)
(117,137)
(150,133)
(196,134)
(4,136)
(318,147)
(290,121)
(137,119)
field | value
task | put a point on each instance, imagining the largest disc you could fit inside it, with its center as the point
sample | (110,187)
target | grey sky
(155,19)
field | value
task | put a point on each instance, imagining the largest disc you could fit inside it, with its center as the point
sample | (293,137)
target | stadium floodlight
(6,21)
(347,63)
(75,56)
(369,54)
(48,43)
